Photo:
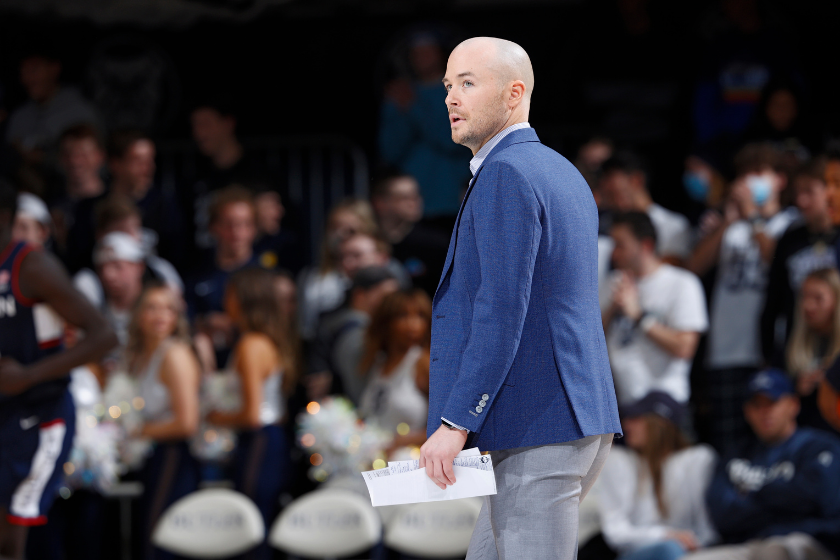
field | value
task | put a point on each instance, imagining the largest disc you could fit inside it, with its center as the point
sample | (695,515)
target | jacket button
(485,396)
(482,403)
(479,409)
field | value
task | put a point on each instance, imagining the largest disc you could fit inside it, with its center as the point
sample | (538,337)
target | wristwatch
(645,322)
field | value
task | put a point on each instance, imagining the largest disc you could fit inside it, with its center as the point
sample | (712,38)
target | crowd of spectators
(723,330)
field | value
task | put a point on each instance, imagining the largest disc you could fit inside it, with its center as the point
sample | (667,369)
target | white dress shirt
(485,150)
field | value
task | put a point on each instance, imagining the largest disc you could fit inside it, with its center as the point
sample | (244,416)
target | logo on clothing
(5,276)
(8,308)
(26,423)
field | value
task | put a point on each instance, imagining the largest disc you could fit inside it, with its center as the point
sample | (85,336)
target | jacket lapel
(515,137)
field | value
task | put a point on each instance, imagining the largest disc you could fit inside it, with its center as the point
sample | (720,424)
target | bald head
(507,60)
(489,83)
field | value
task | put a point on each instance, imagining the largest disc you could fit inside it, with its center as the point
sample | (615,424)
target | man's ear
(516,93)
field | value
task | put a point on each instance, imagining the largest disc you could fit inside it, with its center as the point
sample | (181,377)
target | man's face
(30,230)
(832,189)
(235,228)
(474,98)
(402,200)
(627,253)
(120,277)
(39,77)
(358,252)
(211,129)
(771,420)
(81,158)
(618,190)
(137,167)
(811,199)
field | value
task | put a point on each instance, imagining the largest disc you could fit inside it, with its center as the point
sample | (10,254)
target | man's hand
(685,538)
(626,297)
(13,377)
(438,453)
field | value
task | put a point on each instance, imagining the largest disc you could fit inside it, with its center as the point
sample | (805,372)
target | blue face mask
(761,188)
(696,185)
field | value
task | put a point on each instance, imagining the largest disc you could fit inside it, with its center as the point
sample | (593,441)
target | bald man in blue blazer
(519,364)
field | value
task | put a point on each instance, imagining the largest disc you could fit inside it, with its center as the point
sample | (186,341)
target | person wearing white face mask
(741,244)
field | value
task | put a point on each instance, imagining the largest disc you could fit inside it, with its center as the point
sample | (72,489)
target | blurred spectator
(591,156)
(340,341)
(227,163)
(264,364)
(32,221)
(652,490)
(396,360)
(415,135)
(322,288)
(81,157)
(362,250)
(801,250)
(703,182)
(117,213)
(815,340)
(832,189)
(233,225)
(776,497)
(116,287)
(624,189)
(741,245)
(275,245)
(781,119)
(421,250)
(742,55)
(158,354)
(35,127)
(131,161)
(653,313)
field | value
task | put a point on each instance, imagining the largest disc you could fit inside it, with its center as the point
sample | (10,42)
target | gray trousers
(535,512)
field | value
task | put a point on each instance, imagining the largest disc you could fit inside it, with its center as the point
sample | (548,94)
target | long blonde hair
(136,342)
(803,347)
(254,291)
(664,438)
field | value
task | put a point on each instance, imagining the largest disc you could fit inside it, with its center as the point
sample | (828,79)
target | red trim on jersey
(47,344)
(51,423)
(22,299)
(7,251)
(26,521)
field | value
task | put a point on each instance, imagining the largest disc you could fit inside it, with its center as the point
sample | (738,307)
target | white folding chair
(433,529)
(210,523)
(330,523)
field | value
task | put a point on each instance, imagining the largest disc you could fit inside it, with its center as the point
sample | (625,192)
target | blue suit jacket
(516,321)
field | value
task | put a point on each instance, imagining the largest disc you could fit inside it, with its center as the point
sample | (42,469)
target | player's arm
(43,278)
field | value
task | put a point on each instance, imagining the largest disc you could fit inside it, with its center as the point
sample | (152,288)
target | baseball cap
(772,382)
(655,402)
(368,277)
(118,246)
(32,207)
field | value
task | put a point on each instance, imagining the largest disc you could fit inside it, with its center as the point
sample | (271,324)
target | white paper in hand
(403,482)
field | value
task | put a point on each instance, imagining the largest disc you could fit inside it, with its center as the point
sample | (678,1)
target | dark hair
(220,103)
(813,169)
(624,161)
(8,201)
(383,181)
(121,141)
(832,151)
(82,131)
(756,157)
(115,208)
(380,328)
(639,223)
(255,293)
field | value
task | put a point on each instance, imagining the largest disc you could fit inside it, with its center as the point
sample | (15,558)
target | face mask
(696,185)
(761,188)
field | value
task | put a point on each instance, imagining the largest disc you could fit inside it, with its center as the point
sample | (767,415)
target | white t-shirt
(630,517)
(675,298)
(738,296)
(673,232)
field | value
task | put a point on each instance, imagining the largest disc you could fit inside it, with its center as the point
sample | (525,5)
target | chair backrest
(433,529)
(327,523)
(210,523)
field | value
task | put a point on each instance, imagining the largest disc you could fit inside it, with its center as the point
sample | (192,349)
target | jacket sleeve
(507,232)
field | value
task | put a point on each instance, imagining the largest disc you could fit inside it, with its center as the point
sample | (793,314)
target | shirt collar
(485,150)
